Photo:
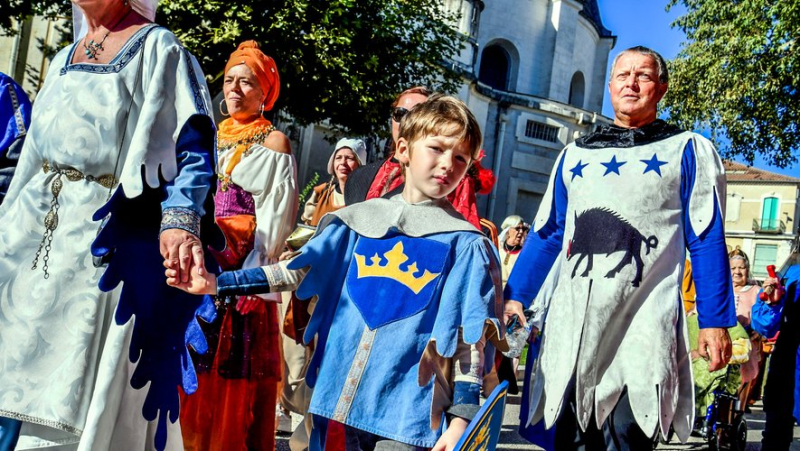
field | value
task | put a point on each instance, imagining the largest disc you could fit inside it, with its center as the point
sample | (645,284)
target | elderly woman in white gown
(125,111)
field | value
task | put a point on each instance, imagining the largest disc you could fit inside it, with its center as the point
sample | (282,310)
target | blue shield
(393,278)
(483,432)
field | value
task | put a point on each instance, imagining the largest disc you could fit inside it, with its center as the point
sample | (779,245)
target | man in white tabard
(602,270)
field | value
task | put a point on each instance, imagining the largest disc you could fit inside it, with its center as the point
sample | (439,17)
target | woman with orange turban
(256,203)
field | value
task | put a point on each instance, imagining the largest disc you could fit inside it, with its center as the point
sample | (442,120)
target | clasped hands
(186,270)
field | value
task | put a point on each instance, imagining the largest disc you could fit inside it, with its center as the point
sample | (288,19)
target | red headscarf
(263,67)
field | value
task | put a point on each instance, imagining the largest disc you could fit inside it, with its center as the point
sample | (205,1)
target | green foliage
(307,190)
(19,10)
(738,74)
(340,60)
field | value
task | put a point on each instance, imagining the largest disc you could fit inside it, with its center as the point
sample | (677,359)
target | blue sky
(646,22)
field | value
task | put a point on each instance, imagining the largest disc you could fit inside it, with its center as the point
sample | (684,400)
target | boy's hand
(451,436)
(198,283)
(515,308)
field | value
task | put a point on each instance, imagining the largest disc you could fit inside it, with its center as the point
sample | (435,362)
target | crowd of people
(145,247)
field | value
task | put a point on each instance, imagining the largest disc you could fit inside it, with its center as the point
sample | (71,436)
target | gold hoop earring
(222,102)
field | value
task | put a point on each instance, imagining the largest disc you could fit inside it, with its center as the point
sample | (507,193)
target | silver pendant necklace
(93,48)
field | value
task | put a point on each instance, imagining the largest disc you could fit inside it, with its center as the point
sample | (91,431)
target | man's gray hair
(663,74)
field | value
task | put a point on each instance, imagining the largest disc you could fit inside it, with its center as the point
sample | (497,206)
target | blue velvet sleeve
(15,112)
(242,282)
(710,266)
(541,249)
(466,400)
(183,205)
(766,319)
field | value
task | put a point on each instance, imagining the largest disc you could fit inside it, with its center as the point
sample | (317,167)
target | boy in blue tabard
(408,292)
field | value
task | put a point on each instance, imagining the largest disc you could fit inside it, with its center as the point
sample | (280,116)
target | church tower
(536,83)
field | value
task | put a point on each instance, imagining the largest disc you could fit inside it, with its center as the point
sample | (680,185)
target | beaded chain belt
(51,219)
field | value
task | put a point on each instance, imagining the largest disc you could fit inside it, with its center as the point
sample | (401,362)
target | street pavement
(511,440)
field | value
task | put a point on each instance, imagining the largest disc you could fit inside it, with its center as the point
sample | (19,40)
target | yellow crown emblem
(391,270)
(481,442)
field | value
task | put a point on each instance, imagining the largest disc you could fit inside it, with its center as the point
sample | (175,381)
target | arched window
(495,64)
(577,89)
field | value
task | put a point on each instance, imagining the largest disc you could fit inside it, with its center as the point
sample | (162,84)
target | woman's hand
(768,287)
(205,283)
(182,251)
(247,304)
(451,436)
(287,254)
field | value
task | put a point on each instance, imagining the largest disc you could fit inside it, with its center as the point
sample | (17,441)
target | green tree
(340,61)
(738,74)
(11,10)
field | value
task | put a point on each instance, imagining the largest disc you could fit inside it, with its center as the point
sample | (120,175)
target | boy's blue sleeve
(541,248)
(242,282)
(710,266)
(466,400)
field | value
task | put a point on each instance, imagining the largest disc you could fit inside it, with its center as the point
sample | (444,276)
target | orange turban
(263,67)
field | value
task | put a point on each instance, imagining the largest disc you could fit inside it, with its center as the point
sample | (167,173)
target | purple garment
(233,201)
(244,353)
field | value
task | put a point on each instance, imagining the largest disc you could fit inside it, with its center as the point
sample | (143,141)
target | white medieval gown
(64,369)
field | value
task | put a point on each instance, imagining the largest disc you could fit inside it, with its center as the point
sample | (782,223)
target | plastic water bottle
(517,336)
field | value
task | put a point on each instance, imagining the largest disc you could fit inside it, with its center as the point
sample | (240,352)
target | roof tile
(737,172)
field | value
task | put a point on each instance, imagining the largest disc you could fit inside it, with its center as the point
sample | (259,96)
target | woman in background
(348,155)
(256,201)
(746,294)
(514,229)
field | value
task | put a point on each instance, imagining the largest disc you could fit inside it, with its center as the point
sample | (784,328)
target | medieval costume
(609,261)
(256,203)
(428,342)
(139,127)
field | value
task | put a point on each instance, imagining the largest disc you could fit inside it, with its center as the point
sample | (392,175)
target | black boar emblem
(602,231)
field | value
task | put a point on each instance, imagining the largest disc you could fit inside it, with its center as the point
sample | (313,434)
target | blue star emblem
(654,165)
(613,166)
(577,171)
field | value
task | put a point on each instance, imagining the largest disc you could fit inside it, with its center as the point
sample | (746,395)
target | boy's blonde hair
(445,116)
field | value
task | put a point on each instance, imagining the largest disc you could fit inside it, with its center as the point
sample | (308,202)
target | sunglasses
(522,228)
(398,113)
